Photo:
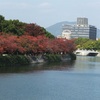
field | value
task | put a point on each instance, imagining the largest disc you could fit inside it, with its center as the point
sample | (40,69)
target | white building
(65,34)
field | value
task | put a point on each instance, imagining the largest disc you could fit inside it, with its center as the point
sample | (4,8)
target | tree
(18,37)
(35,30)
(13,26)
(1,21)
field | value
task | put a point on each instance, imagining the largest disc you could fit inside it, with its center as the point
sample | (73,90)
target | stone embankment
(51,58)
(17,60)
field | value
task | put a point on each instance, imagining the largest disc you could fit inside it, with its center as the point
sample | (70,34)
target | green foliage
(49,35)
(13,60)
(73,56)
(57,57)
(1,18)
(13,26)
(81,40)
(52,57)
(88,44)
(1,21)
(18,28)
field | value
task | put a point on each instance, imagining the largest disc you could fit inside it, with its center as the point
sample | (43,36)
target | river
(77,80)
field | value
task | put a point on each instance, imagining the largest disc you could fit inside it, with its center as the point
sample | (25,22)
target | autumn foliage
(34,30)
(21,38)
(27,44)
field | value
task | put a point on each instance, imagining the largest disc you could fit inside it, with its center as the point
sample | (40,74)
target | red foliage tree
(1,45)
(34,45)
(61,45)
(34,30)
(11,45)
(42,43)
(67,46)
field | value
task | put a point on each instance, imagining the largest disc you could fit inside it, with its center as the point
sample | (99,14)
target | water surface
(77,80)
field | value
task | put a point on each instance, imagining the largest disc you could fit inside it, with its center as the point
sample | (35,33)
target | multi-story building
(81,29)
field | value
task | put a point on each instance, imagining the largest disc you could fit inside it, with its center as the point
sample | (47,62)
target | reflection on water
(81,64)
(38,67)
(87,63)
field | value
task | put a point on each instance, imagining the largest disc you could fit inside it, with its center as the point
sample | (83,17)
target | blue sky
(49,12)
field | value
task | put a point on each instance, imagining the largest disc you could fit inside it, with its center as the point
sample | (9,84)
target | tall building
(81,29)
(82,21)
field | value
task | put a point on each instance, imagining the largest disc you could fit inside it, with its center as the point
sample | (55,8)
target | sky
(48,12)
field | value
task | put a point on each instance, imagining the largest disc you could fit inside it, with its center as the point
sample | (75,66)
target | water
(79,80)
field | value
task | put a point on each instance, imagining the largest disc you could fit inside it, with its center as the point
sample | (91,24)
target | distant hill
(56,29)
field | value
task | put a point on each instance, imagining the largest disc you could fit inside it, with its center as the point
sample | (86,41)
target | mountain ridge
(56,29)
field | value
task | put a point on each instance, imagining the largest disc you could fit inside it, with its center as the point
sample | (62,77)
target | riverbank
(16,60)
(51,58)
(13,60)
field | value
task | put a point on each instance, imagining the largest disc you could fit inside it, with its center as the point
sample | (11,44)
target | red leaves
(62,45)
(26,44)
(9,44)
(34,30)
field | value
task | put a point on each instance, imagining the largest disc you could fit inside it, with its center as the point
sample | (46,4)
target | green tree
(97,45)
(13,26)
(89,45)
(1,21)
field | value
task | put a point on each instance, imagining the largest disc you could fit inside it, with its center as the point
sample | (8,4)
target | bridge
(87,52)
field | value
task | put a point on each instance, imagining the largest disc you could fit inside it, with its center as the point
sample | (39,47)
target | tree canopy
(27,44)
(88,44)
(21,38)
(19,28)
